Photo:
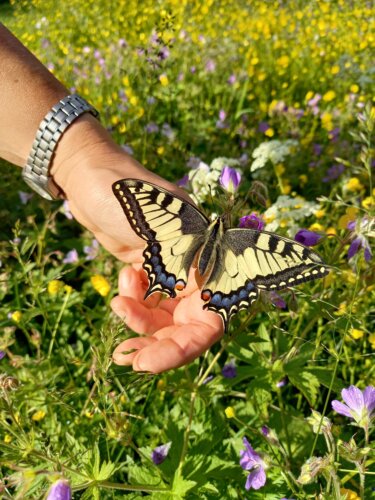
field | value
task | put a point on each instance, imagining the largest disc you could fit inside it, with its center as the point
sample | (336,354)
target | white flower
(288,210)
(273,151)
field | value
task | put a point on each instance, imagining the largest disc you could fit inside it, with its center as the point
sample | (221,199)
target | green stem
(61,312)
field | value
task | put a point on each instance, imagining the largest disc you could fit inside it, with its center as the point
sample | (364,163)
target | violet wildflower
(281,383)
(230,179)
(60,490)
(250,460)
(252,221)
(277,300)
(229,370)
(221,123)
(265,430)
(307,238)
(183,182)
(25,197)
(232,79)
(210,66)
(66,210)
(91,251)
(152,128)
(71,257)
(2,355)
(361,230)
(263,127)
(160,453)
(208,379)
(334,172)
(359,405)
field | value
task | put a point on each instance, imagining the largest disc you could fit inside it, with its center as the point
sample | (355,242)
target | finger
(175,347)
(121,356)
(134,283)
(140,318)
(190,310)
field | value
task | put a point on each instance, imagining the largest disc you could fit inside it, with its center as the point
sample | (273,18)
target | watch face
(30,181)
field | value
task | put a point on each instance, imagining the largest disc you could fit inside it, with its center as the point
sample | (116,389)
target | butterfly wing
(173,228)
(249,260)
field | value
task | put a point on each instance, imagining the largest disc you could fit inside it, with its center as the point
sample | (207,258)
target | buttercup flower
(160,453)
(229,412)
(100,284)
(307,238)
(60,490)
(250,460)
(359,405)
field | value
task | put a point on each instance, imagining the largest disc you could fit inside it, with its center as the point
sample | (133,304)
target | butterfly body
(234,264)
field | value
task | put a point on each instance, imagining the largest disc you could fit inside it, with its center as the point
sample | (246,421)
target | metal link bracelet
(36,171)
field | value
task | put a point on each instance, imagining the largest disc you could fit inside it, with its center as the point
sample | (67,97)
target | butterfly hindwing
(249,260)
(173,228)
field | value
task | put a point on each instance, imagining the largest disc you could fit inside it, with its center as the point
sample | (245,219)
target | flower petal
(256,479)
(341,408)
(369,398)
(354,247)
(353,397)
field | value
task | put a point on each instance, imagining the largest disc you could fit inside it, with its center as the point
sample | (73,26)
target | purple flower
(160,453)
(334,172)
(71,257)
(152,128)
(183,182)
(91,251)
(60,490)
(252,221)
(265,430)
(250,460)
(318,149)
(263,127)
(307,238)
(221,121)
(208,379)
(232,79)
(314,101)
(361,229)
(210,66)
(66,210)
(2,354)
(359,405)
(25,197)
(230,179)
(229,370)
(281,383)
(277,300)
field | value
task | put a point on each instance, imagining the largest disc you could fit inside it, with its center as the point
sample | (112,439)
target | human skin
(86,164)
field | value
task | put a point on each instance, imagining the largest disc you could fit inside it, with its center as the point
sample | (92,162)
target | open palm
(174,331)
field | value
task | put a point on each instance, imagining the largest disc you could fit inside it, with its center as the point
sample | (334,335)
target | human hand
(175,331)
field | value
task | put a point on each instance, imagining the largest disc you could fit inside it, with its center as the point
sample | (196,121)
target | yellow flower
(161,384)
(123,399)
(303,179)
(38,416)
(229,412)
(341,309)
(269,132)
(122,128)
(279,169)
(320,213)
(331,230)
(350,215)
(16,316)
(160,150)
(316,227)
(367,202)
(7,438)
(163,79)
(68,289)
(55,286)
(100,284)
(89,414)
(349,276)
(353,184)
(286,189)
(335,69)
(283,61)
(354,88)
(356,334)
(371,339)
(326,119)
(329,96)
(309,95)
(350,494)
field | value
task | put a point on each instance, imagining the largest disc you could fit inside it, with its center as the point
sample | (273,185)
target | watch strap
(52,127)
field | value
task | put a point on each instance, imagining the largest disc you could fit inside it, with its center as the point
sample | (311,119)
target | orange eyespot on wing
(206,295)
(180,285)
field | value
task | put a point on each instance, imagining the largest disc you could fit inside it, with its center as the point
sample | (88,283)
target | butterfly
(234,264)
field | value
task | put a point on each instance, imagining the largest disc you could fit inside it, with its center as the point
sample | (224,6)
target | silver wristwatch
(36,171)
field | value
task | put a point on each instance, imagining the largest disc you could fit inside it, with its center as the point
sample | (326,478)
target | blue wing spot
(250,286)
(170,282)
(216,299)
(243,294)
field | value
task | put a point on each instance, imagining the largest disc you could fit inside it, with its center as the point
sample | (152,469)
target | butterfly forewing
(173,228)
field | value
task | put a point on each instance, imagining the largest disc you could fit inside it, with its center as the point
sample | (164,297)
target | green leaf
(181,486)
(308,384)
